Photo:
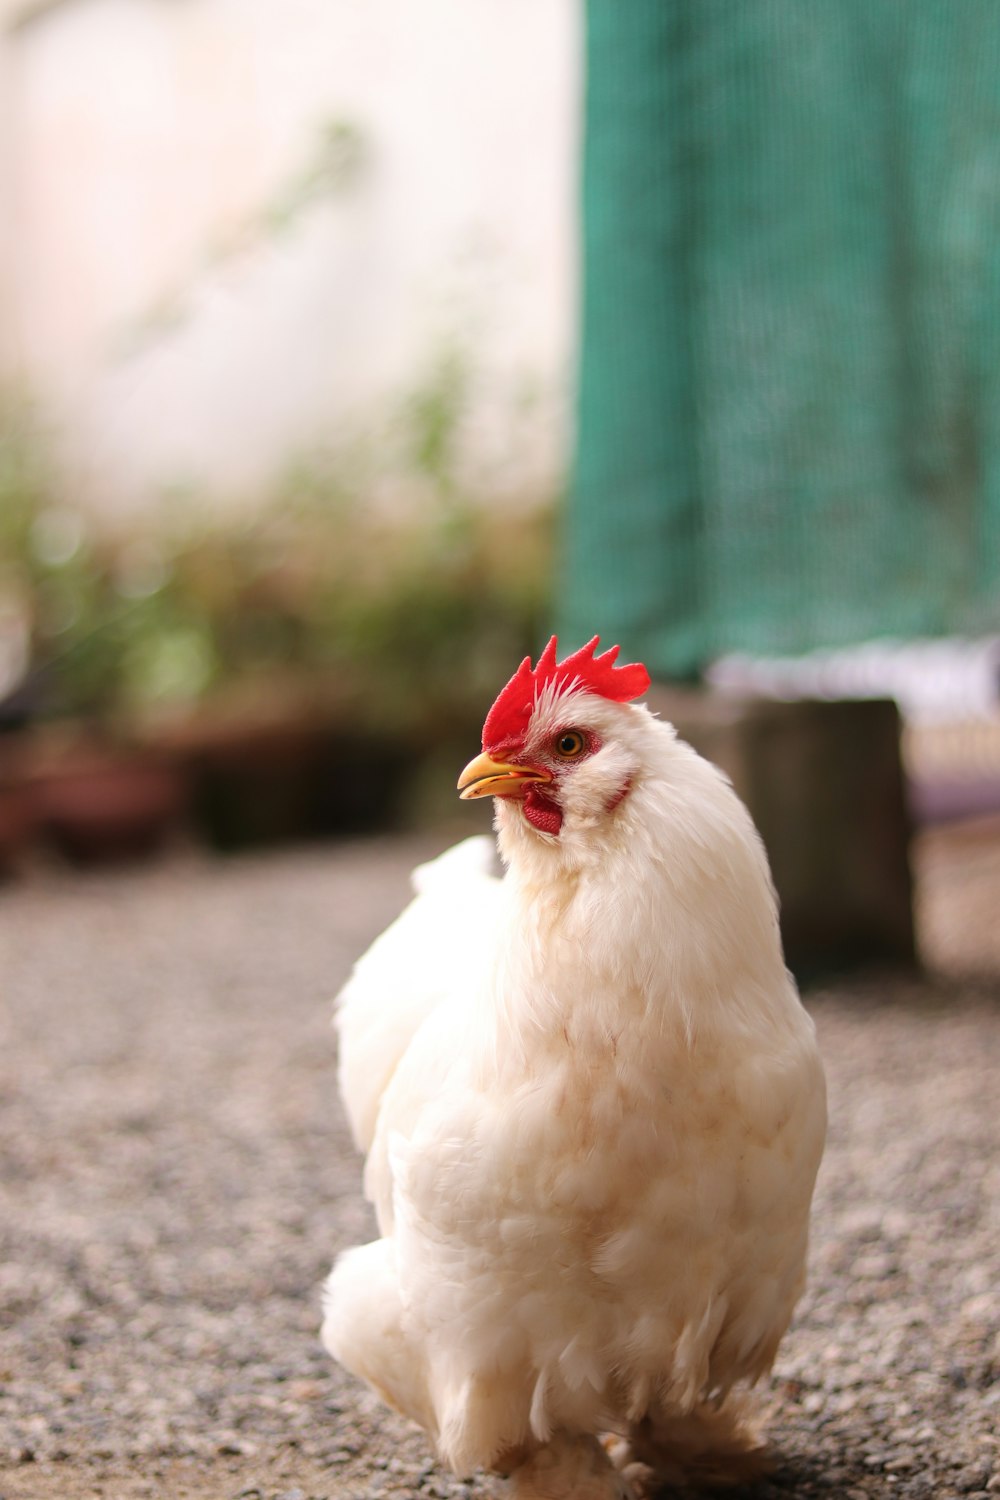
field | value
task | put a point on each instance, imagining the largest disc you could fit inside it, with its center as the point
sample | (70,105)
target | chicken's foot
(569,1467)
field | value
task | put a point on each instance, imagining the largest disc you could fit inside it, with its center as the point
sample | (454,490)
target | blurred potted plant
(72,778)
(285,675)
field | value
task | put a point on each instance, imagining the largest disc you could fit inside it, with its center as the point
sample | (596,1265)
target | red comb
(508,718)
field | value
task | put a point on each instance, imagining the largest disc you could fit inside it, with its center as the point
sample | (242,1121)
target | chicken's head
(559,746)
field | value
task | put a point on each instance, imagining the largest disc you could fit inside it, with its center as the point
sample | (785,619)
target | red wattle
(541,813)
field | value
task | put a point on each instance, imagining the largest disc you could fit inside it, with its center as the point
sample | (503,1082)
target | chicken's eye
(569,744)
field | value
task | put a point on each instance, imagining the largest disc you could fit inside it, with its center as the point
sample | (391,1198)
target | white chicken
(593,1109)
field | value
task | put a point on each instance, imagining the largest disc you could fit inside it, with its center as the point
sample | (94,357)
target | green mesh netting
(789,405)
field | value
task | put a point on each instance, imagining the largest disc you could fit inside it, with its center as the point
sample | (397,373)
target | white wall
(144,134)
(6,203)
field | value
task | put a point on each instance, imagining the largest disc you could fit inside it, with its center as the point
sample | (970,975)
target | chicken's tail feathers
(714,1445)
(473,857)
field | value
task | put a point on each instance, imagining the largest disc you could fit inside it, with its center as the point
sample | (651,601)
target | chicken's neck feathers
(666,925)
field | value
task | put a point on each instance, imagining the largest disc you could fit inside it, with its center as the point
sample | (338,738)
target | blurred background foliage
(379,576)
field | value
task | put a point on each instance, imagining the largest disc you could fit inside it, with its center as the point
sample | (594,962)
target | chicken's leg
(711,1446)
(569,1467)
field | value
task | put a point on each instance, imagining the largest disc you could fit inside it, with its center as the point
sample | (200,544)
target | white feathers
(434,949)
(470,860)
(594,1109)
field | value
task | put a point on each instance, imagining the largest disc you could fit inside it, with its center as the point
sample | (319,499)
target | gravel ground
(175,1179)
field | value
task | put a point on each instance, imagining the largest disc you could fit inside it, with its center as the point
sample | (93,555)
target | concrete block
(824,782)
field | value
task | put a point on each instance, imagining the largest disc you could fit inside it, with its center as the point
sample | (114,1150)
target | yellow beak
(485,777)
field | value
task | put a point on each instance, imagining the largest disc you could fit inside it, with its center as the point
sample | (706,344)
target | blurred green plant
(406,610)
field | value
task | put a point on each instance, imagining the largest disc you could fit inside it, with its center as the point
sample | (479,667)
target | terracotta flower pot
(98,804)
(17,826)
(18,804)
